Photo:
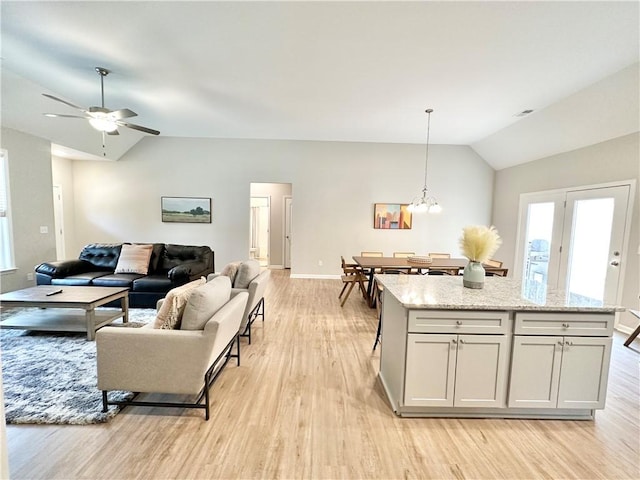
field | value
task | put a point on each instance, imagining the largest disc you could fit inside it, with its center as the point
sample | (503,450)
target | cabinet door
(584,373)
(480,371)
(535,372)
(430,370)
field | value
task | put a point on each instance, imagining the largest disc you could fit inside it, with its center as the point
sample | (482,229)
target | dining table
(451,266)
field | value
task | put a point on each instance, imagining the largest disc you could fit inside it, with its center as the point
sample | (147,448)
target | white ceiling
(336,71)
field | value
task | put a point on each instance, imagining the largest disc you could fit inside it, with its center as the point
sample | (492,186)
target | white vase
(473,276)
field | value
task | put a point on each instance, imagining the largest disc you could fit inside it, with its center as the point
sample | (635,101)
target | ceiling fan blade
(122,113)
(138,127)
(56,115)
(64,101)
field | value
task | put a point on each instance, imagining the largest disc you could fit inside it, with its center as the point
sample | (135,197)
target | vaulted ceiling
(329,71)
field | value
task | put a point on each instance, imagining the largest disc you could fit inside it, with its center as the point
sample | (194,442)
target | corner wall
(613,160)
(334,185)
(31,205)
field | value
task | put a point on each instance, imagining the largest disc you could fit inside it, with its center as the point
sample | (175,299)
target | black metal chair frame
(258,311)
(209,377)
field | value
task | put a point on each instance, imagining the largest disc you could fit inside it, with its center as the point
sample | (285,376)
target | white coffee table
(73,309)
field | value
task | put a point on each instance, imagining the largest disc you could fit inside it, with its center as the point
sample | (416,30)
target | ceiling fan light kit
(101,118)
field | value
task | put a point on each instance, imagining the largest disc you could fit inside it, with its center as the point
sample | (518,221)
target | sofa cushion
(170,313)
(102,255)
(153,283)
(231,270)
(82,279)
(204,302)
(116,280)
(134,259)
(247,271)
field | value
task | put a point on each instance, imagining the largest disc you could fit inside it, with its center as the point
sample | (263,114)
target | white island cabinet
(450,351)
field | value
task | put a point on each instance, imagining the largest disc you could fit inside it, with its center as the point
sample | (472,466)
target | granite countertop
(499,293)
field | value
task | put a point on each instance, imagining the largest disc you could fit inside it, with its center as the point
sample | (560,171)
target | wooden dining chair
(440,255)
(378,290)
(403,254)
(371,254)
(352,275)
(493,263)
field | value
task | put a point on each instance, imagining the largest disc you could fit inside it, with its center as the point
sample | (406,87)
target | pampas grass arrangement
(478,242)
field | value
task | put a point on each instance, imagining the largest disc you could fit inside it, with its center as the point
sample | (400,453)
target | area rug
(51,377)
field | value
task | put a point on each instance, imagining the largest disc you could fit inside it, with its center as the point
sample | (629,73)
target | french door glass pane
(588,257)
(538,241)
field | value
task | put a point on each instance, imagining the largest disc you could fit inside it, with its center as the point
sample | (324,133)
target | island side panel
(394,349)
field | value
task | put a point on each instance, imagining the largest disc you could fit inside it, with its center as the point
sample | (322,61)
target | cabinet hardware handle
(458,322)
(454,341)
(560,343)
(569,343)
(461,341)
(565,325)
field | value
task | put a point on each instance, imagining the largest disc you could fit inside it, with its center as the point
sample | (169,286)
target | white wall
(62,175)
(334,186)
(609,161)
(31,205)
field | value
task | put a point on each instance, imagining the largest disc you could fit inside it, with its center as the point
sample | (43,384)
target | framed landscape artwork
(186,209)
(392,216)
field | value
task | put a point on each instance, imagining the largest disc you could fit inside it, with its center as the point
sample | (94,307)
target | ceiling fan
(101,118)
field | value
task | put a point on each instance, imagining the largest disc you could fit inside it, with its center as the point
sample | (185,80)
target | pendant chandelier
(425,202)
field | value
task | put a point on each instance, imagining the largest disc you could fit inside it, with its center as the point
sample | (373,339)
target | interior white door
(288,210)
(58,220)
(593,240)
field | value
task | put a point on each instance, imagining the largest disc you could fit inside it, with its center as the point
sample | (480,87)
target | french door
(574,240)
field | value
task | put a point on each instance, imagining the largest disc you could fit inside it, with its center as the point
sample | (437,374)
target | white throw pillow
(247,271)
(134,259)
(170,313)
(231,270)
(204,302)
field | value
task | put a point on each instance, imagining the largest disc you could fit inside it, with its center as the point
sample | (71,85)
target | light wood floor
(305,403)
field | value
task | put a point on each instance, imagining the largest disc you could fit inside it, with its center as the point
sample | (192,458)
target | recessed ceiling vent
(523,113)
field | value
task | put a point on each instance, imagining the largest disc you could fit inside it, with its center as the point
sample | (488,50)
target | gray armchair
(247,277)
(182,361)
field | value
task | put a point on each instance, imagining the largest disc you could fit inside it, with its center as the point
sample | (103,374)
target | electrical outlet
(30,276)
(44,229)
(319,263)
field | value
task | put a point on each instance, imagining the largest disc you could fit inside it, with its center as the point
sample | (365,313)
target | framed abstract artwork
(186,209)
(392,216)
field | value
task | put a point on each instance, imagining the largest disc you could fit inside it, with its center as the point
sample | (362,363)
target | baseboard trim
(315,276)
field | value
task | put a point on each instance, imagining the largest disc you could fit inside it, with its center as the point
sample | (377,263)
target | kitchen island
(450,351)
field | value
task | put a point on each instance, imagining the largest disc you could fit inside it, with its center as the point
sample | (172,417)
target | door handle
(615,263)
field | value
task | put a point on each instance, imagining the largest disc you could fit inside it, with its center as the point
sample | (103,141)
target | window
(6,236)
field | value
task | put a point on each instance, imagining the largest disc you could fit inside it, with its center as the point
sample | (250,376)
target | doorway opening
(270,224)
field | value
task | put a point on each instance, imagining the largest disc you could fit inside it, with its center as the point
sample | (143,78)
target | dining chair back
(403,254)
(352,275)
(440,255)
(371,254)
(493,263)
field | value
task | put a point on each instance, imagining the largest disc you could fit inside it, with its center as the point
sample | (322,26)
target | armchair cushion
(247,271)
(134,259)
(204,302)
(170,313)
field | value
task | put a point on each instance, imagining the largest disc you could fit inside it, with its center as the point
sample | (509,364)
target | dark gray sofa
(170,266)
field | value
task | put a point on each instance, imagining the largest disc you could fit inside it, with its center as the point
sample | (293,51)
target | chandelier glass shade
(425,202)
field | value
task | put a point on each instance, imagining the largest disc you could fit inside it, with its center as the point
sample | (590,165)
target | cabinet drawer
(579,324)
(458,321)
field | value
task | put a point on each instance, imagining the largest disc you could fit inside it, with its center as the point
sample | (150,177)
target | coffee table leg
(125,308)
(91,324)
